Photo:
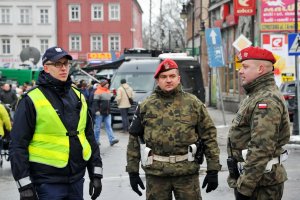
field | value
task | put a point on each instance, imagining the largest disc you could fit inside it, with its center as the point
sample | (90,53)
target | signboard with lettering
(99,56)
(278,16)
(244,7)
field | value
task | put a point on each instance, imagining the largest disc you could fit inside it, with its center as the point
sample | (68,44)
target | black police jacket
(67,105)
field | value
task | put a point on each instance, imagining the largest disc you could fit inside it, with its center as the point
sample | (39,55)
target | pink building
(91,29)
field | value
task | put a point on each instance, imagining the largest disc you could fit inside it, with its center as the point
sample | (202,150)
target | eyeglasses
(59,64)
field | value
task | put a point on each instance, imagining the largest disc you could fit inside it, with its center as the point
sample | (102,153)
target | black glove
(95,188)
(211,180)
(28,193)
(135,180)
(240,196)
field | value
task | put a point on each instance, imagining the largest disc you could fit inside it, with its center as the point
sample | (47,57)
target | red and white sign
(244,7)
(277,42)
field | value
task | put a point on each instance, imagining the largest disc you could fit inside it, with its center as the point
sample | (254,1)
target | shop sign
(232,20)
(224,11)
(244,7)
(277,16)
(99,56)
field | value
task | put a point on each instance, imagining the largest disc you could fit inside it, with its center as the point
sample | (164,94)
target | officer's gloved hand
(95,188)
(240,196)
(136,181)
(211,180)
(28,193)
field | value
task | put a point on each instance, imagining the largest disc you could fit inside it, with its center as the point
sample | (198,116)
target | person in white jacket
(124,92)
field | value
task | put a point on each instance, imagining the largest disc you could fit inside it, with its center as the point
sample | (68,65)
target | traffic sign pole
(215,56)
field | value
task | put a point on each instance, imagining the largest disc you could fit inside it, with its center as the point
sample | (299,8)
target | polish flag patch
(262,105)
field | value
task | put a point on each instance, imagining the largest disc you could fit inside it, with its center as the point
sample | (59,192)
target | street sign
(294,44)
(214,47)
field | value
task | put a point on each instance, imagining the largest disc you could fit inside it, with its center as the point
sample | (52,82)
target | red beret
(255,53)
(165,65)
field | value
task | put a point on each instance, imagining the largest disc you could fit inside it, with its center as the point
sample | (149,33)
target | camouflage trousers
(183,187)
(271,192)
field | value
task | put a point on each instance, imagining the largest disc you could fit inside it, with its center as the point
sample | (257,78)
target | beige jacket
(122,99)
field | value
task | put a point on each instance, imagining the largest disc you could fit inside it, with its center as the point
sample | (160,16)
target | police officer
(259,131)
(52,137)
(164,131)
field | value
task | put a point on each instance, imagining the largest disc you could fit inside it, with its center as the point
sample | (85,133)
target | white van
(139,74)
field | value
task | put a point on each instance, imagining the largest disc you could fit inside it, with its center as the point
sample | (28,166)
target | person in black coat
(37,176)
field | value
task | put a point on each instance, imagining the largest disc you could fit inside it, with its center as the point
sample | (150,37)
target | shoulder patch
(262,105)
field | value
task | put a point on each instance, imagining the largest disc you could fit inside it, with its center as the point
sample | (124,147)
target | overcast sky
(145,4)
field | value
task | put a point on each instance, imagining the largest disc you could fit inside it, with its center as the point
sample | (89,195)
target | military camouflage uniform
(169,124)
(261,126)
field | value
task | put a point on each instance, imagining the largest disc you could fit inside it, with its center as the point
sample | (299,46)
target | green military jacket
(262,126)
(169,122)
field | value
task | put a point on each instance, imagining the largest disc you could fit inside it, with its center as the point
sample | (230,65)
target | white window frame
(74,12)
(4,15)
(44,45)
(25,42)
(113,44)
(114,12)
(5,46)
(97,12)
(96,43)
(25,15)
(44,16)
(75,42)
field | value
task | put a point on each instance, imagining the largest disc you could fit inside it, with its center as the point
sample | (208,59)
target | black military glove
(135,180)
(211,180)
(95,188)
(240,196)
(28,193)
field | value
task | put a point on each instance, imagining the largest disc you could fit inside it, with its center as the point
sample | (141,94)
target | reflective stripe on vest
(50,144)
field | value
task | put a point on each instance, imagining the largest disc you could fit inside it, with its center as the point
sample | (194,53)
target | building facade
(25,23)
(95,31)
(264,23)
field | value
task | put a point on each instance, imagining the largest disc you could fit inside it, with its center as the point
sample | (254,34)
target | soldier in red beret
(164,127)
(259,131)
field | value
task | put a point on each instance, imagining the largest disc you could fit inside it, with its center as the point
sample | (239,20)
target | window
(24,43)
(114,11)
(6,46)
(5,15)
(96,43)
(44,16)
(97,12)
(25,15)
(114,42)
(75,43)
(74,12)
(44,45)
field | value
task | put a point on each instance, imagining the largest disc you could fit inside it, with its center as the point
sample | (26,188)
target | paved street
(116,182)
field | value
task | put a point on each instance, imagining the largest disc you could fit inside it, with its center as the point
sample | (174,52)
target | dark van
(139,74)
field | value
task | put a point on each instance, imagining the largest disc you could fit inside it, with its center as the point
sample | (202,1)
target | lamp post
(184,14)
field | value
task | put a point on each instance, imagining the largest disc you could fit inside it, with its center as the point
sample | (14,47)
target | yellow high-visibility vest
(50,143)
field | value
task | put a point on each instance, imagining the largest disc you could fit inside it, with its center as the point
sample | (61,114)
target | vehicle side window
(291,88)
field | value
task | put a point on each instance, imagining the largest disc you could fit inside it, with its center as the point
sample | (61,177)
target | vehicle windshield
(140,82)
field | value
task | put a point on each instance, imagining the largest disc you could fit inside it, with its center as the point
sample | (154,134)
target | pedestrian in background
(259,131)
(52,137)
(9,97)
(101,109)
(5,128)
(164,127)
(124,92)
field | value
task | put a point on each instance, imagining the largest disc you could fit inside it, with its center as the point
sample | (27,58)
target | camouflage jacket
(262,126)
(169,124)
